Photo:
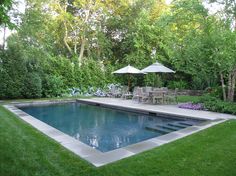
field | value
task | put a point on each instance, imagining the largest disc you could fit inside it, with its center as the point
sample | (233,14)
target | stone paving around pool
(160,109)
(98,158)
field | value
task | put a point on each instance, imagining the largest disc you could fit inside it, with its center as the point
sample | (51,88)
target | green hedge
(52,86)
(32,86)
(24,77)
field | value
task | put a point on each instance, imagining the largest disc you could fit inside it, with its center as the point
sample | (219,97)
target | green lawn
(25,151)
(188,98)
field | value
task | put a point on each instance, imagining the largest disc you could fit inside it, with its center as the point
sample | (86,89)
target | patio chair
(125,92)
(157,89)
(164,88)
(137,94)
(158,97)
(145,97)
(171,97)
(115,92)
(147,89)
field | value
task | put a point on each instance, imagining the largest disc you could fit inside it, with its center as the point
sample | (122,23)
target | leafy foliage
(52,86)
(178,84)
(214,104)
(32,86)
(12,75)
(5,7)
(80,43)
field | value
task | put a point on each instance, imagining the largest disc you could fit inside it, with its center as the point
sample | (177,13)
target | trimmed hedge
(32,86)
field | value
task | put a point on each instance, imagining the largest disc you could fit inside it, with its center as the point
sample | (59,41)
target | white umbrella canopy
(128,70)
(157,68)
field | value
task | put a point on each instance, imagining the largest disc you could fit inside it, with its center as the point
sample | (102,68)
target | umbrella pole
(156,78)
(128,82)
(154,81)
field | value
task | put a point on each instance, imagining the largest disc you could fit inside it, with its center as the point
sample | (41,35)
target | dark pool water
(103,128)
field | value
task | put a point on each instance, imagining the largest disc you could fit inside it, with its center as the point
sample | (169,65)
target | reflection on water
(102,128)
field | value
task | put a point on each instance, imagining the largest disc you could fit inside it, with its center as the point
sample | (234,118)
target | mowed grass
(187,98)
(25,151)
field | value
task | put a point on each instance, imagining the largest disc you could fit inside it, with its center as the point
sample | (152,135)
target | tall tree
(229,10)
(5,7)
(5,20)
(83,24)
(206,47)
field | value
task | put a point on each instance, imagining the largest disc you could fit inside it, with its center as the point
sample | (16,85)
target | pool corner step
(186,123)
(179,125)
(158,129)
(169,127)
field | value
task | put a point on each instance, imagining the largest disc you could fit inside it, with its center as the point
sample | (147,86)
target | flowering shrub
(110,86)
(92,91)
(74,91)
(100,93)
(193,106)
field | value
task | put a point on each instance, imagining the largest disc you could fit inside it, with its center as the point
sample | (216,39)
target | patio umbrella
(128,70)
(157,68)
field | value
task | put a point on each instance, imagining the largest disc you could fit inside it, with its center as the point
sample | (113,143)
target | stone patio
(161,109)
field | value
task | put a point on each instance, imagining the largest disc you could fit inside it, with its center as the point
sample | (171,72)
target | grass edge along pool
(104,128)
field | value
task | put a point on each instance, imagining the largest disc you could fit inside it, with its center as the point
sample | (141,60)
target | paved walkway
(164,109)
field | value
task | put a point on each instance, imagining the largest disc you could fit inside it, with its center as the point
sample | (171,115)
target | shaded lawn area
(187,98)
(25,151)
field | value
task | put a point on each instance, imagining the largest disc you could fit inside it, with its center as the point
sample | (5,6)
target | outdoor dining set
(151,95)
(145,94)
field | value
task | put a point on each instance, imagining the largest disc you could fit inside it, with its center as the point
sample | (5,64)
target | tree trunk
(223,86)
(65,38)
(75,48)
(67,45)
(64,10)
(81,53)
(231,85)
(75,39)
(83,40)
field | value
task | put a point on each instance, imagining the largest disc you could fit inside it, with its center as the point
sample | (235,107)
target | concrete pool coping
(96,157)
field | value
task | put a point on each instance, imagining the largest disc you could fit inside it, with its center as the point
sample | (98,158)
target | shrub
(10,87)
(90,74)
(152,79)
(199,82)
(13,71)
(60,67)
(32,86)
(215,104)
(215,92)
(52,86)
(178,84)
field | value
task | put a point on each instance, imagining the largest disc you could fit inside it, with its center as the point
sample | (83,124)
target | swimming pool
(105,129)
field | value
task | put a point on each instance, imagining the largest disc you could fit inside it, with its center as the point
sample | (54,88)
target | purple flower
(196,106)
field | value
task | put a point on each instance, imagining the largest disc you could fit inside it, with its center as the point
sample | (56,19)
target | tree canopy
(5,7)
(78,43)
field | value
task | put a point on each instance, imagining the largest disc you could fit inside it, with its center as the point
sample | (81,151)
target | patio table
(158,94)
